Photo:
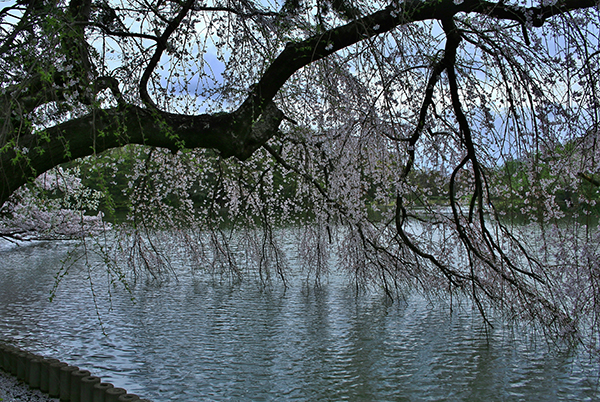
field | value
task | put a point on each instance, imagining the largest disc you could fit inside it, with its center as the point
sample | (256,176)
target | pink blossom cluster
(54,206)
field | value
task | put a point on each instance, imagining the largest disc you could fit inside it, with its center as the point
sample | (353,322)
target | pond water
(203,339)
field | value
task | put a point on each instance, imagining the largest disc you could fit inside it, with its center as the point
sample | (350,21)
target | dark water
(201,339)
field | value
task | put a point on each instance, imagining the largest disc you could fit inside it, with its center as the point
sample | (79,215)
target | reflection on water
(200,339)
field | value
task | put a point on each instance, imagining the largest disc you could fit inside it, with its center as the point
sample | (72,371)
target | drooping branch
(507,269)
(445,62)
(535,16)
(455,278)
(161,45)
(454,39)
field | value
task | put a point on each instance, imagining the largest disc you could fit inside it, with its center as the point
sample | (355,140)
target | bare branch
(161,45)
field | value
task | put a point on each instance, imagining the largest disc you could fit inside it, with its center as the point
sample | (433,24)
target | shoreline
(13,390)
(32,378)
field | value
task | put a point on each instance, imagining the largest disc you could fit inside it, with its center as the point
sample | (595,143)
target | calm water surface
(201,339)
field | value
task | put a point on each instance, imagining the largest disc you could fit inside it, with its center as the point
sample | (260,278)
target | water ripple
(201,339)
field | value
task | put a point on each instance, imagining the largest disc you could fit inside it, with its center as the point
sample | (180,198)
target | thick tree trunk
(111,128)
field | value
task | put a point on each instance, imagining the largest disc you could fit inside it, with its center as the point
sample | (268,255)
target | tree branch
(535,16)
(589,178)
(161,45)
(111,128)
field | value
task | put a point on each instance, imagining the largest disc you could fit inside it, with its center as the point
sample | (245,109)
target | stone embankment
(25,376)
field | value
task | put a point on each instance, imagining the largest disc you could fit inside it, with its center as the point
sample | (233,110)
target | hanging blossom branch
(477,200)
(445,64)
(492,256)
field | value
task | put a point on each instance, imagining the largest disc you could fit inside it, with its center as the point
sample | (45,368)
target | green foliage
(531,188)
(107,173)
